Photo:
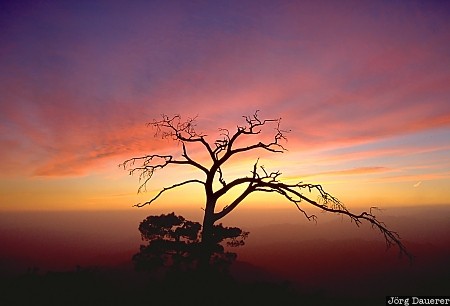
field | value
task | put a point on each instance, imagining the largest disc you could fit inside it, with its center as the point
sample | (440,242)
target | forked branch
(260,180)
(183,131)
(269,182)
(331,204)
(253,127)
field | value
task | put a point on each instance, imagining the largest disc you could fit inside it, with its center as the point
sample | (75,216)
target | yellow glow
(113,189)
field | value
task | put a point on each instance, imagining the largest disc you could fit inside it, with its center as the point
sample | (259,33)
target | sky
(364,87)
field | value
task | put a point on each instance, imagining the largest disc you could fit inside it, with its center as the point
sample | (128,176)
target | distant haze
(61,240)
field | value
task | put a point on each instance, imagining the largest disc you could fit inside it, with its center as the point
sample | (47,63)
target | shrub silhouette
(174,244)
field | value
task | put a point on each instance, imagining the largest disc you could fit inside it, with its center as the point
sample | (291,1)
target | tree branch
(166,189)
(150,163)
(332,204)
(252,128)
(192,162)
(184,131)
(268,182)
(227,187)
(261,180)
(227,209)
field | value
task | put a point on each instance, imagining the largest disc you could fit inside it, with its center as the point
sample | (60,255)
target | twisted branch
(260,180)
(269,182)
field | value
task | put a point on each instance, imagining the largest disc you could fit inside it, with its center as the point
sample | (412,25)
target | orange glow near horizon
(113,189)
(365,96)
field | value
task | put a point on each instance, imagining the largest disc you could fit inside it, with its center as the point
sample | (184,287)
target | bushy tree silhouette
(216,185)
(174,244)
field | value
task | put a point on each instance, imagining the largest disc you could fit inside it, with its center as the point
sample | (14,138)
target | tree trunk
(207,243)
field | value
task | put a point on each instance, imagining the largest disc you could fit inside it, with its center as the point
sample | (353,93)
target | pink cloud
(431,176)
(353,171)
(363,153)
(343,78)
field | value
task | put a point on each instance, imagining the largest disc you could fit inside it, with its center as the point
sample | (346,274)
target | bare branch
(254,123)
(166,189)
(148,165)
(222,143)
(227,209)
(192,162)
(183,131)
(151,163)
(226,187)
(221,179)
(259,180)
(269,182)
(175,129)
(332,204)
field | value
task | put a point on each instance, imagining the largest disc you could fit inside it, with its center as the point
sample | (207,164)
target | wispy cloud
(74,97)
(441,175)
(353,171)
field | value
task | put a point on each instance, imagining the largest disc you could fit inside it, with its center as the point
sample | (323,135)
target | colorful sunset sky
(364,87)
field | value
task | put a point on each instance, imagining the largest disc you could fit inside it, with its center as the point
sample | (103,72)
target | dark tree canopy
(174,243)
(246,138)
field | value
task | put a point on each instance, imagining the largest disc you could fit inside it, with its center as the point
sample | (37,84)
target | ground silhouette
(100,286)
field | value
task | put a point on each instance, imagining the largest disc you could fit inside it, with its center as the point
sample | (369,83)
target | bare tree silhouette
(230,144)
